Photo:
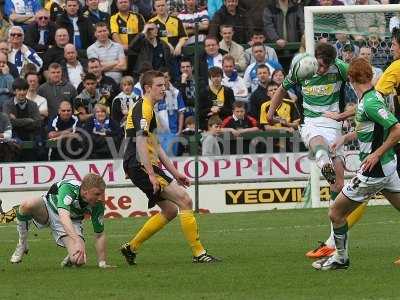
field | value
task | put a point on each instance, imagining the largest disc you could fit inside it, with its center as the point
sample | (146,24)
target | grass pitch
(263,257)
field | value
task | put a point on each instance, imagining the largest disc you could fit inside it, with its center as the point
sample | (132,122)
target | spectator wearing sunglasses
(21,54)
(40,34)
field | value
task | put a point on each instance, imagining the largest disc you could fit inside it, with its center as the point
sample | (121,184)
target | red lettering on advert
(14,175)
(217,167)
(112,215)
(109,167)
(274,161)
(138,213)
(298,164)
(73,171)
(39,170)
(110,204)
(239,166)
(259,166)
(187,170)
(123,201)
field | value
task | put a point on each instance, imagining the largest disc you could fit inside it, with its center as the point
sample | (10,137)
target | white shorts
(308,132)
(361,187)
(57,229)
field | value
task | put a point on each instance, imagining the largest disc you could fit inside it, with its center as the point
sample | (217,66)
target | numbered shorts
(308,132)
(361,187)
(57,229)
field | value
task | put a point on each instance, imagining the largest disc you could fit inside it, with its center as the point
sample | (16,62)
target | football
(304,66)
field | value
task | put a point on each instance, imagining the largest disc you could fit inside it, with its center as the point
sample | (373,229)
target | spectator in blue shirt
(21,12)
(170,116)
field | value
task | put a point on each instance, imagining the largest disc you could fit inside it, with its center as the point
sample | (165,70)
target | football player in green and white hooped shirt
(377,131)
(322,97)
(62,209)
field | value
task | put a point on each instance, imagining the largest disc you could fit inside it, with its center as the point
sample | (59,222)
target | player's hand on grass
(369,162)
(182,180)
(103,265)
(79,253)
(155,183)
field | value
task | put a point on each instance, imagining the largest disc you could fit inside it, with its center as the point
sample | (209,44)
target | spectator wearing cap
(110,54)
(20,53)
(21,12)
(231,14)
(80,29)
(283,22)
(40,33)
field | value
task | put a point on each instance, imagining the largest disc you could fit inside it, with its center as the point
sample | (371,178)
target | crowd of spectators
(71,68)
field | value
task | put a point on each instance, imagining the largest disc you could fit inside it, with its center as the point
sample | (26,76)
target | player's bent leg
(337,214)
(181,198)
(320,149)
(327,248)
(27,210)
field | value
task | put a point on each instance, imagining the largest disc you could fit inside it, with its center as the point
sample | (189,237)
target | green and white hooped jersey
(65,194)
(321,93)
(373,122)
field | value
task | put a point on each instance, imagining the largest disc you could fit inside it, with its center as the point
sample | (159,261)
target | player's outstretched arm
(340,116)
(275,102)
(78,250)
(101,250)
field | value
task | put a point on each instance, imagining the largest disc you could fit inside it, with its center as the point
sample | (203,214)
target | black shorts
(140,178)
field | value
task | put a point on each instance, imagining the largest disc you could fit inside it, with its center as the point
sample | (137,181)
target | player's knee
(335,216)
(186,201)
(25,207)
(170,213)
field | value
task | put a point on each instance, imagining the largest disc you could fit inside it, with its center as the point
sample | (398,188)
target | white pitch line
(268,228)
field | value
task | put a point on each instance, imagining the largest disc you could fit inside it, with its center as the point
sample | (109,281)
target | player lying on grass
(63,209)
(321,94)
(377,131)
(141,161)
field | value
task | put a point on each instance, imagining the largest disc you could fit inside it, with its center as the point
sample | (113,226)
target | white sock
(22,228)
(322,157)
(330,242)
